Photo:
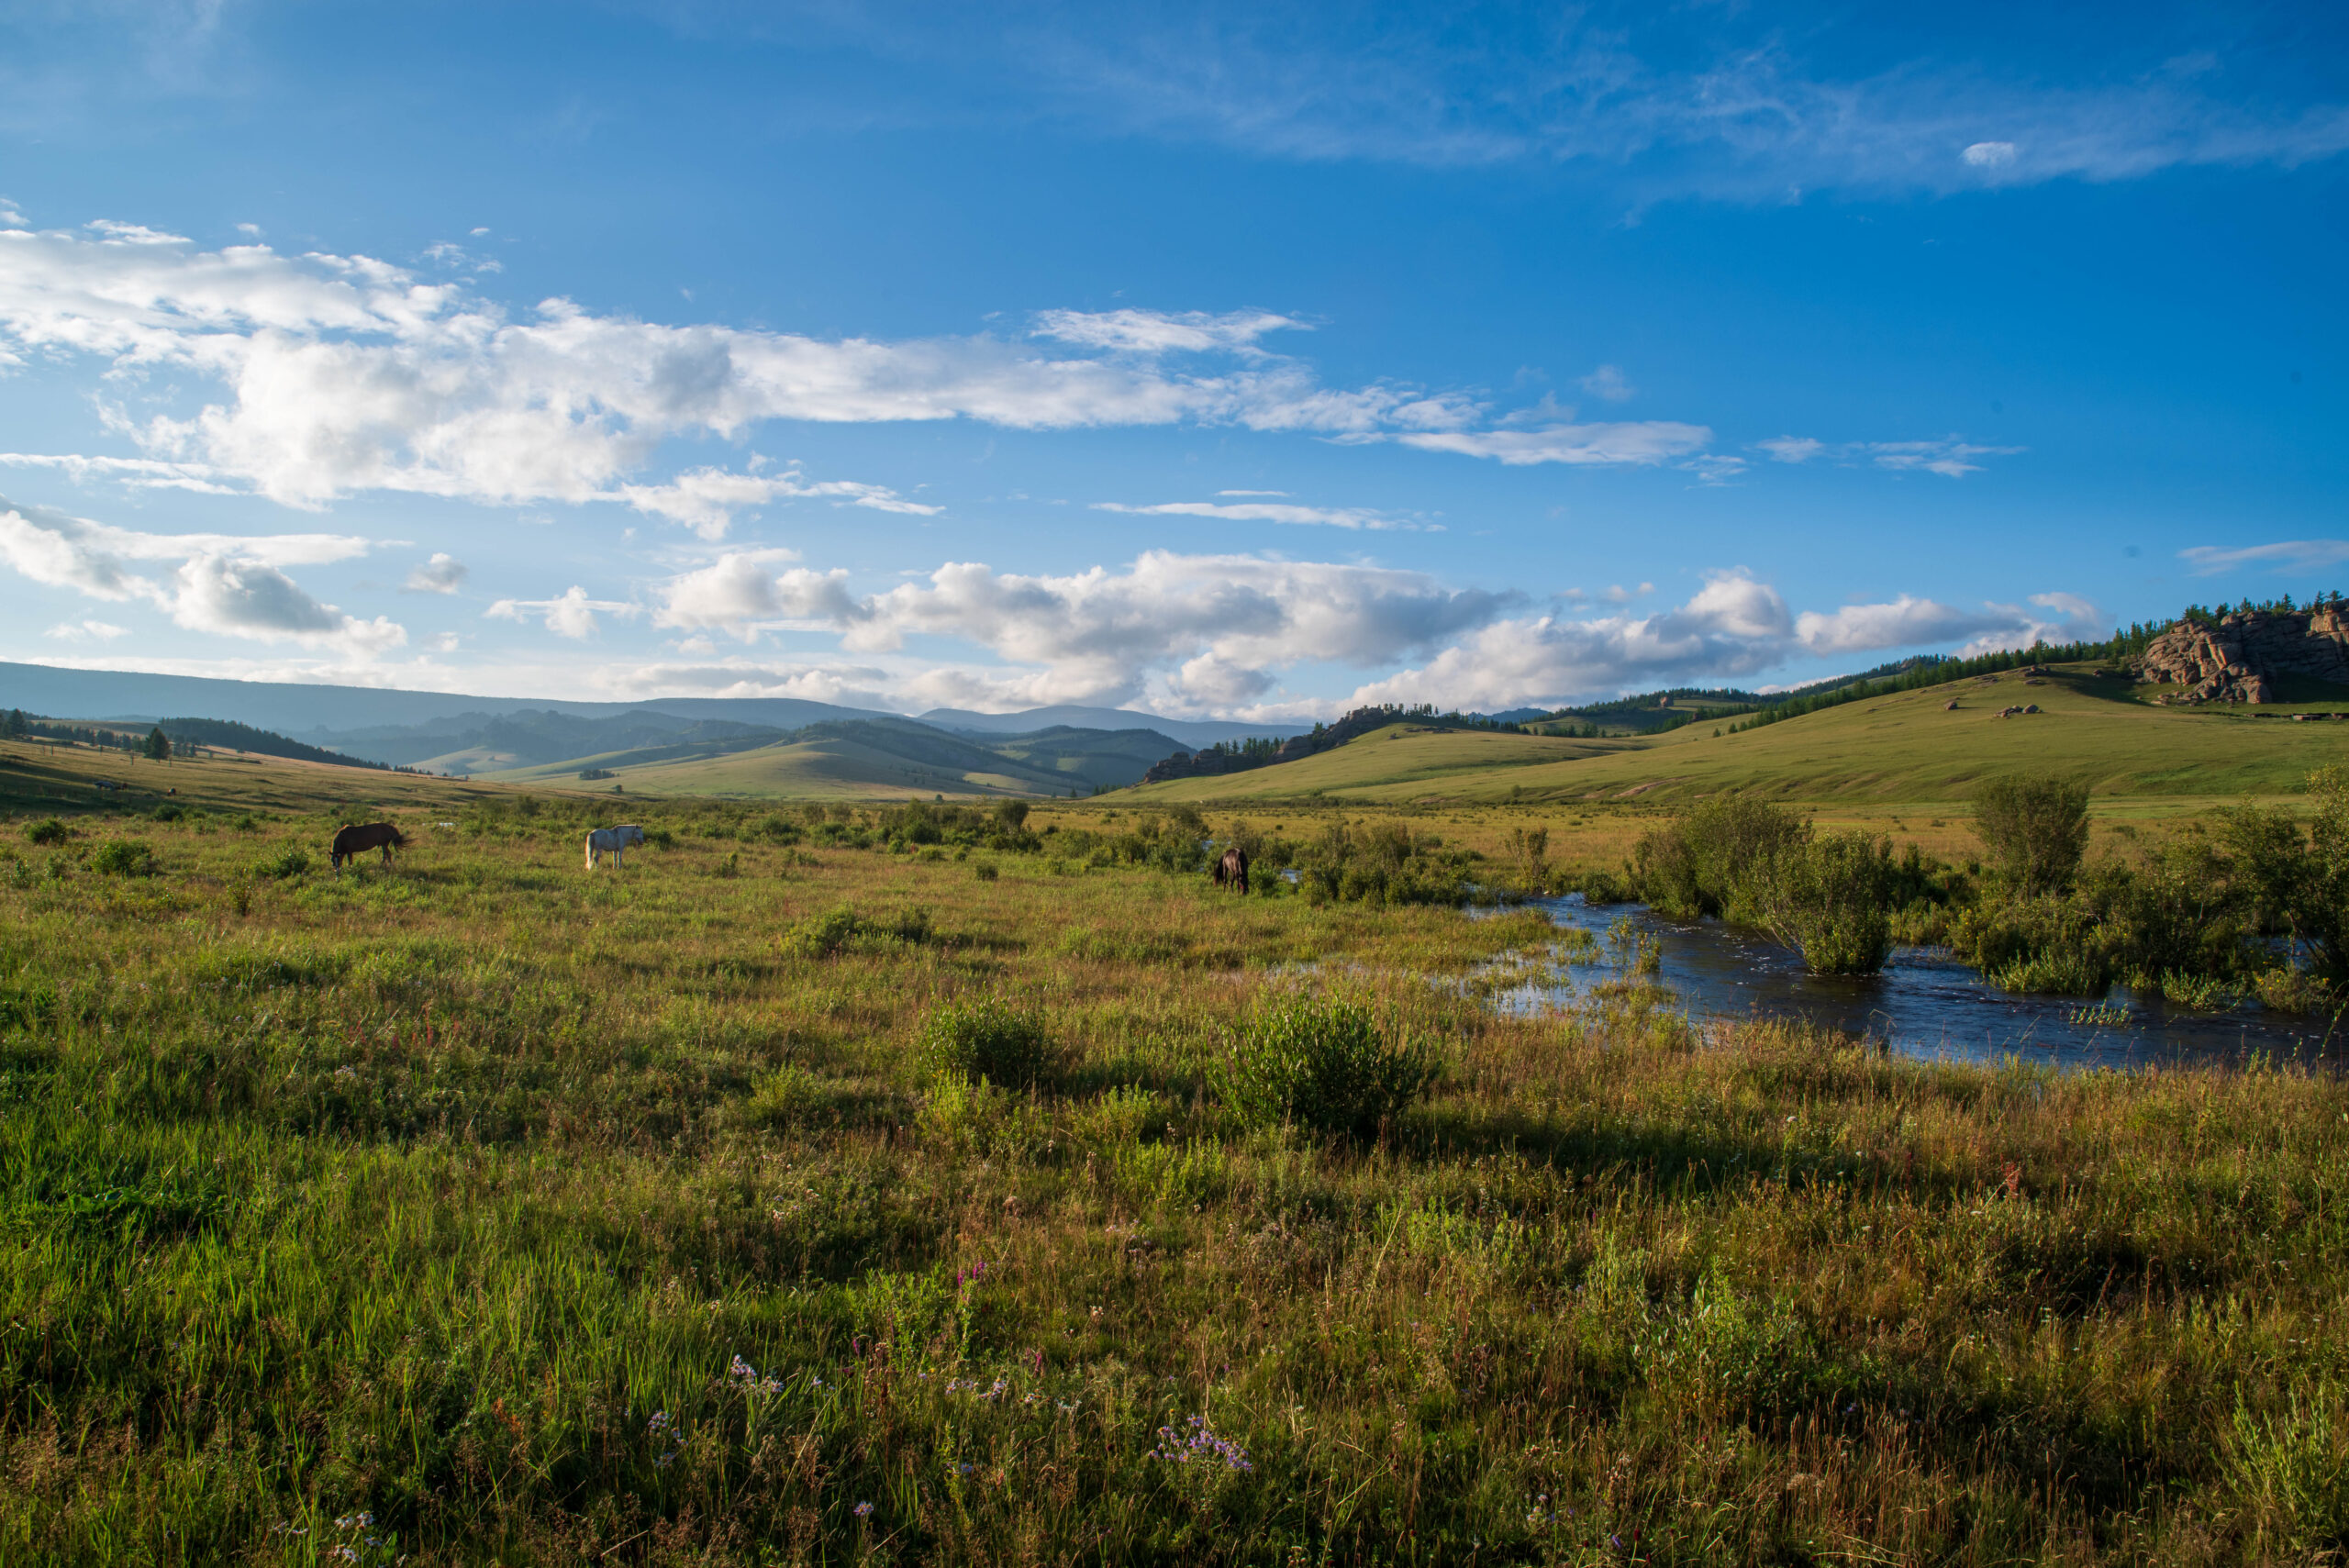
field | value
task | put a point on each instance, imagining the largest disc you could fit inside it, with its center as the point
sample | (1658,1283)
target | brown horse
(1232,870)
(350,842)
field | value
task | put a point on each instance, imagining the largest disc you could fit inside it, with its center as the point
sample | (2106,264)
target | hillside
(1903,746)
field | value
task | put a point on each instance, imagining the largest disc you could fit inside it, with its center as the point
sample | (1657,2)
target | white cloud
(321,376)
(228,585)
(233,596)
(1792,448)
(1989,155)
(1155,333)
(1951,457)
(88,631)
(2290,555)
(1263,512)
(739,593)
(705,499)
(1734,626)
(138,473)
(443,573)
(1731,625)
(1196,631)
(1646,442)
(570,613)
(1607,381)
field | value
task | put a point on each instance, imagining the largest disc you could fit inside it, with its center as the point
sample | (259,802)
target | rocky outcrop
(2240,659)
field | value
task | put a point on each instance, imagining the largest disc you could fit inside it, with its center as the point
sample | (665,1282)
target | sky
(1248,360)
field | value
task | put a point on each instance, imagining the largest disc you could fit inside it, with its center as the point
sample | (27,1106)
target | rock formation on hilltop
(2240,659)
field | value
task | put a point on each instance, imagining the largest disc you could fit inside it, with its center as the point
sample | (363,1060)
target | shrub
(49,831)
(1324,1063)
(822,936)
(169,811)
(282,867)
(124,856)
(1708,862)
(248,823)
(985,870)
(2036,828)
(987,1038)
(1832,899)
(2057,972)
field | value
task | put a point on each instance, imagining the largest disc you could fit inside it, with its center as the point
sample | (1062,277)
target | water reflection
(1926,1004)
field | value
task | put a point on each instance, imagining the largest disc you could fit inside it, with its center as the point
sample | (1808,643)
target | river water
(1924,1004)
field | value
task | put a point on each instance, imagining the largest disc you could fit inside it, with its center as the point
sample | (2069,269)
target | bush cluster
(1324,1063)
(2257,903)
(987,1038)
(1756,864)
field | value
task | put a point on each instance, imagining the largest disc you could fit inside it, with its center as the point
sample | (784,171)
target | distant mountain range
(722,741)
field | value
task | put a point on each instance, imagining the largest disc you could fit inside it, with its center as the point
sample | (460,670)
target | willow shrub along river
(482,1208)
(1924,1003)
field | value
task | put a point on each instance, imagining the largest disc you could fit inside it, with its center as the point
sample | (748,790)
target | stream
(1924,1004)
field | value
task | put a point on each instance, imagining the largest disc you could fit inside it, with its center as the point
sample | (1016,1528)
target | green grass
(1900,748)
(450,1195)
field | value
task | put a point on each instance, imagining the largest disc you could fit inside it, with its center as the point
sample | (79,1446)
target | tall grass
(528,1216)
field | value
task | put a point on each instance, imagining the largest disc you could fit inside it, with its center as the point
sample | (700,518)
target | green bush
(124,856)
(985,870)
(1831,898)
(283,866)
(49,831)
(987,1038)
(2036,828)
(1324,1063)
(822,936)
(169,812)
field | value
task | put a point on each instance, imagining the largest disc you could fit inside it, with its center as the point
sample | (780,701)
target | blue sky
(1218,360)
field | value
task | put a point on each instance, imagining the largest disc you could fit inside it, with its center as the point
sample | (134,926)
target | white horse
(611,842)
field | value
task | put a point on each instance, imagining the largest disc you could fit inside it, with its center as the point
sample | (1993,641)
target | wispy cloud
(1951,457)
(2290,555)
(1271,512)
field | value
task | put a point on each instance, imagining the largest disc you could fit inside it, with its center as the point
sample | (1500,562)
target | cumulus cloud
(570,613)
(228,584)
(443,573)
(740,594)
(1951,457)
(2290,555)
(1989,155)
(321,375)
(1264,512)
(1733,626)
(1199,630)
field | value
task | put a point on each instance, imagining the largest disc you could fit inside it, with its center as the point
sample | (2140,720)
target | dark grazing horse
(1232,870)
(351,842)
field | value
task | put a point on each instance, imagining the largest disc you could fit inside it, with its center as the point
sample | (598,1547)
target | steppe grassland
(450,1196)
(1903,749)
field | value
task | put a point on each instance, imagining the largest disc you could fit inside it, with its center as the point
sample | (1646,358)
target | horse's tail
(590,865)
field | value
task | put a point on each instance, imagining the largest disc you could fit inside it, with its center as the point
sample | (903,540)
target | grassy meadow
(484,1209)
(1901,749)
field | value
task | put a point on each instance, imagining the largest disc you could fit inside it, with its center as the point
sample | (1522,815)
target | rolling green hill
(1903,746)
(879,759)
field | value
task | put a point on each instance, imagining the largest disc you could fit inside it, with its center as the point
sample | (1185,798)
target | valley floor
(480,1208)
